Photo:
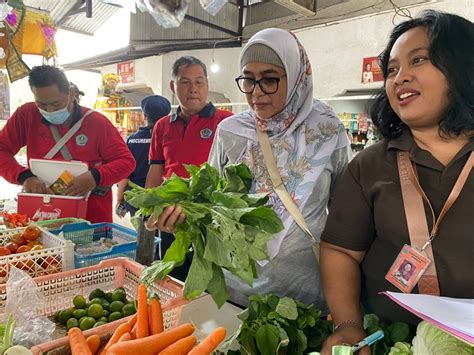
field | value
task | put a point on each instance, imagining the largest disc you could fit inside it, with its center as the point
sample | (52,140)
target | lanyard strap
(279,187)
(413,196)
(458,186)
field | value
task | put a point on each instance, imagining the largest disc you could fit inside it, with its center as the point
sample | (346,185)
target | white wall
(336,51)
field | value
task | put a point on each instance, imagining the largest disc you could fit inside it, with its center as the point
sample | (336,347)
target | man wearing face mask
(39,125)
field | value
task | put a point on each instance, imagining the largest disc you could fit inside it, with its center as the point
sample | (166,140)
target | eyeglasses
(267,85)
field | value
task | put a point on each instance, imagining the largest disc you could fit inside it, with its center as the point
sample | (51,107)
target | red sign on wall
(371,70)
(126,71)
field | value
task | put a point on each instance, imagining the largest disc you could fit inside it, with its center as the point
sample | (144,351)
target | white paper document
(454,315)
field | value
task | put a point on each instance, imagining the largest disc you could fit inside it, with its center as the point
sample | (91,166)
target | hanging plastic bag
(212,6)
(167,13)
(24,302)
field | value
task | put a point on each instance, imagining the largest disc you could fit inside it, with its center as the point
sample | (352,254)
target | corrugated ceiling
(78,22)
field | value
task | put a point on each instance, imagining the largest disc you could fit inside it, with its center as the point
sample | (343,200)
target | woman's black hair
(451,40)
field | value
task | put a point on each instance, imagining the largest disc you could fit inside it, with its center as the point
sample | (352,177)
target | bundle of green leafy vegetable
(396,332)
(226,226)
(6,334)
(273,325)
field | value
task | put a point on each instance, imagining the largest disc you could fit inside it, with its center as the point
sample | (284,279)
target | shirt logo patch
(206,133)
(81,140)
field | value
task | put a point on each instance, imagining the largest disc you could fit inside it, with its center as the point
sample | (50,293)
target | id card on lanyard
(415,263)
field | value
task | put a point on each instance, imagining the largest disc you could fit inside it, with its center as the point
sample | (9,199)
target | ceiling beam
(302,7)
(211,25)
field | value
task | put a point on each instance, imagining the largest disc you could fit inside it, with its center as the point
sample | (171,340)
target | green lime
(95,300)
(71,323)
(97,293)
(108,296)
(86,323)
(103,319)
(63,316)
(105,313)
(99,323)
(79,302)
(116,306)
(105,304)
(114,316)
(79,313)
(128,309)
(95,311)
(119,295)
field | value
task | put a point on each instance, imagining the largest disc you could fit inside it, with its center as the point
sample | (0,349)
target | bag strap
(64,139)
(417,225)
(280,188)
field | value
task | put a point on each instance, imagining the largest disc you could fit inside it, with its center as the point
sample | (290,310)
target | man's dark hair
(45,75)
(451,39)
(187,61)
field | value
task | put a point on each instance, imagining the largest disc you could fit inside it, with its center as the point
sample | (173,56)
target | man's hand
(167,221)
(81,185)
(36,186)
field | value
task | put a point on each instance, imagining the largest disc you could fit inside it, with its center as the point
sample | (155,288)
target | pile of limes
(102,308)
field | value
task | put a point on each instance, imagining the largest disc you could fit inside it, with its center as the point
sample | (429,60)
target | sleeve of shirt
(217,157)
(350,223)
(156,155)
(117,161)
(13,137)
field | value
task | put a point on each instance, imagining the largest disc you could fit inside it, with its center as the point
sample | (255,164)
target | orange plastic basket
(59,290)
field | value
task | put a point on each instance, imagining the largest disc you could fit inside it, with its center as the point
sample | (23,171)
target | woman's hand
(350,334)
(167,221)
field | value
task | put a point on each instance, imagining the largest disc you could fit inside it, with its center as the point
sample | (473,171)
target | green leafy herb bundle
(226,226)
(273,325)
(396,332)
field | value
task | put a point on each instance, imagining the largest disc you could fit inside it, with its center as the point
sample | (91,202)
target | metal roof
(71,14)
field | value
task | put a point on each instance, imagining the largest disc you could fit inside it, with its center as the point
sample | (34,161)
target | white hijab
(303,135)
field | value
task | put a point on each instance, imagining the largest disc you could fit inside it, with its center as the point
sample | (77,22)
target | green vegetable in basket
(79,313)
(71,323)
(79,302)
(114,316)
(97,293)
(128,309)
(64,315)
(99,323)
(6,334)
(95,311)
(119,295)
(116,306)
(86,323)
(226,226)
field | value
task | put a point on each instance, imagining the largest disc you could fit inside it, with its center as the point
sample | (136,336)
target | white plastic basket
(57,256)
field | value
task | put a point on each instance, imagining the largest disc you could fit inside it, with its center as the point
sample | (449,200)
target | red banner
(126,71)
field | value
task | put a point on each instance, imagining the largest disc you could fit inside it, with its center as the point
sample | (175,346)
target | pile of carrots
(144,334)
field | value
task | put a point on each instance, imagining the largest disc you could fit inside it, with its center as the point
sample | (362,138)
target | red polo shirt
(175,142)
(97,142)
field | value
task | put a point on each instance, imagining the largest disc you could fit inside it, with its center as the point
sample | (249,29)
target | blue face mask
(56,117)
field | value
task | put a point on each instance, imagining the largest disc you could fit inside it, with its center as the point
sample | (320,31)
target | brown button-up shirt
(367,214)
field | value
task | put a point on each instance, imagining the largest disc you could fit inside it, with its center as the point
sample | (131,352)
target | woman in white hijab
(310,149)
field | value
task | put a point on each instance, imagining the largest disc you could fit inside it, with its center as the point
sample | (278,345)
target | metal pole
(145,245)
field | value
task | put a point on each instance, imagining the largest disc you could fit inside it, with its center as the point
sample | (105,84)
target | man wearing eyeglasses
(186,136)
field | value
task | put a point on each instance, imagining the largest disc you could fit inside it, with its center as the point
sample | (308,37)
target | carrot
(121,330)
(142,318)
(125,337)
(156,317)
(181,347)
(93,342)
(133,333)
(152,344)
(210,343)
(132,321)
(78,342)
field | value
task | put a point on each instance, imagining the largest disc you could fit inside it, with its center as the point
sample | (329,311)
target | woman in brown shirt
(427,109)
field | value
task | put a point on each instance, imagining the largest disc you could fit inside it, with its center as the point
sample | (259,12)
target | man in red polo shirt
(186,136)
(97,142)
